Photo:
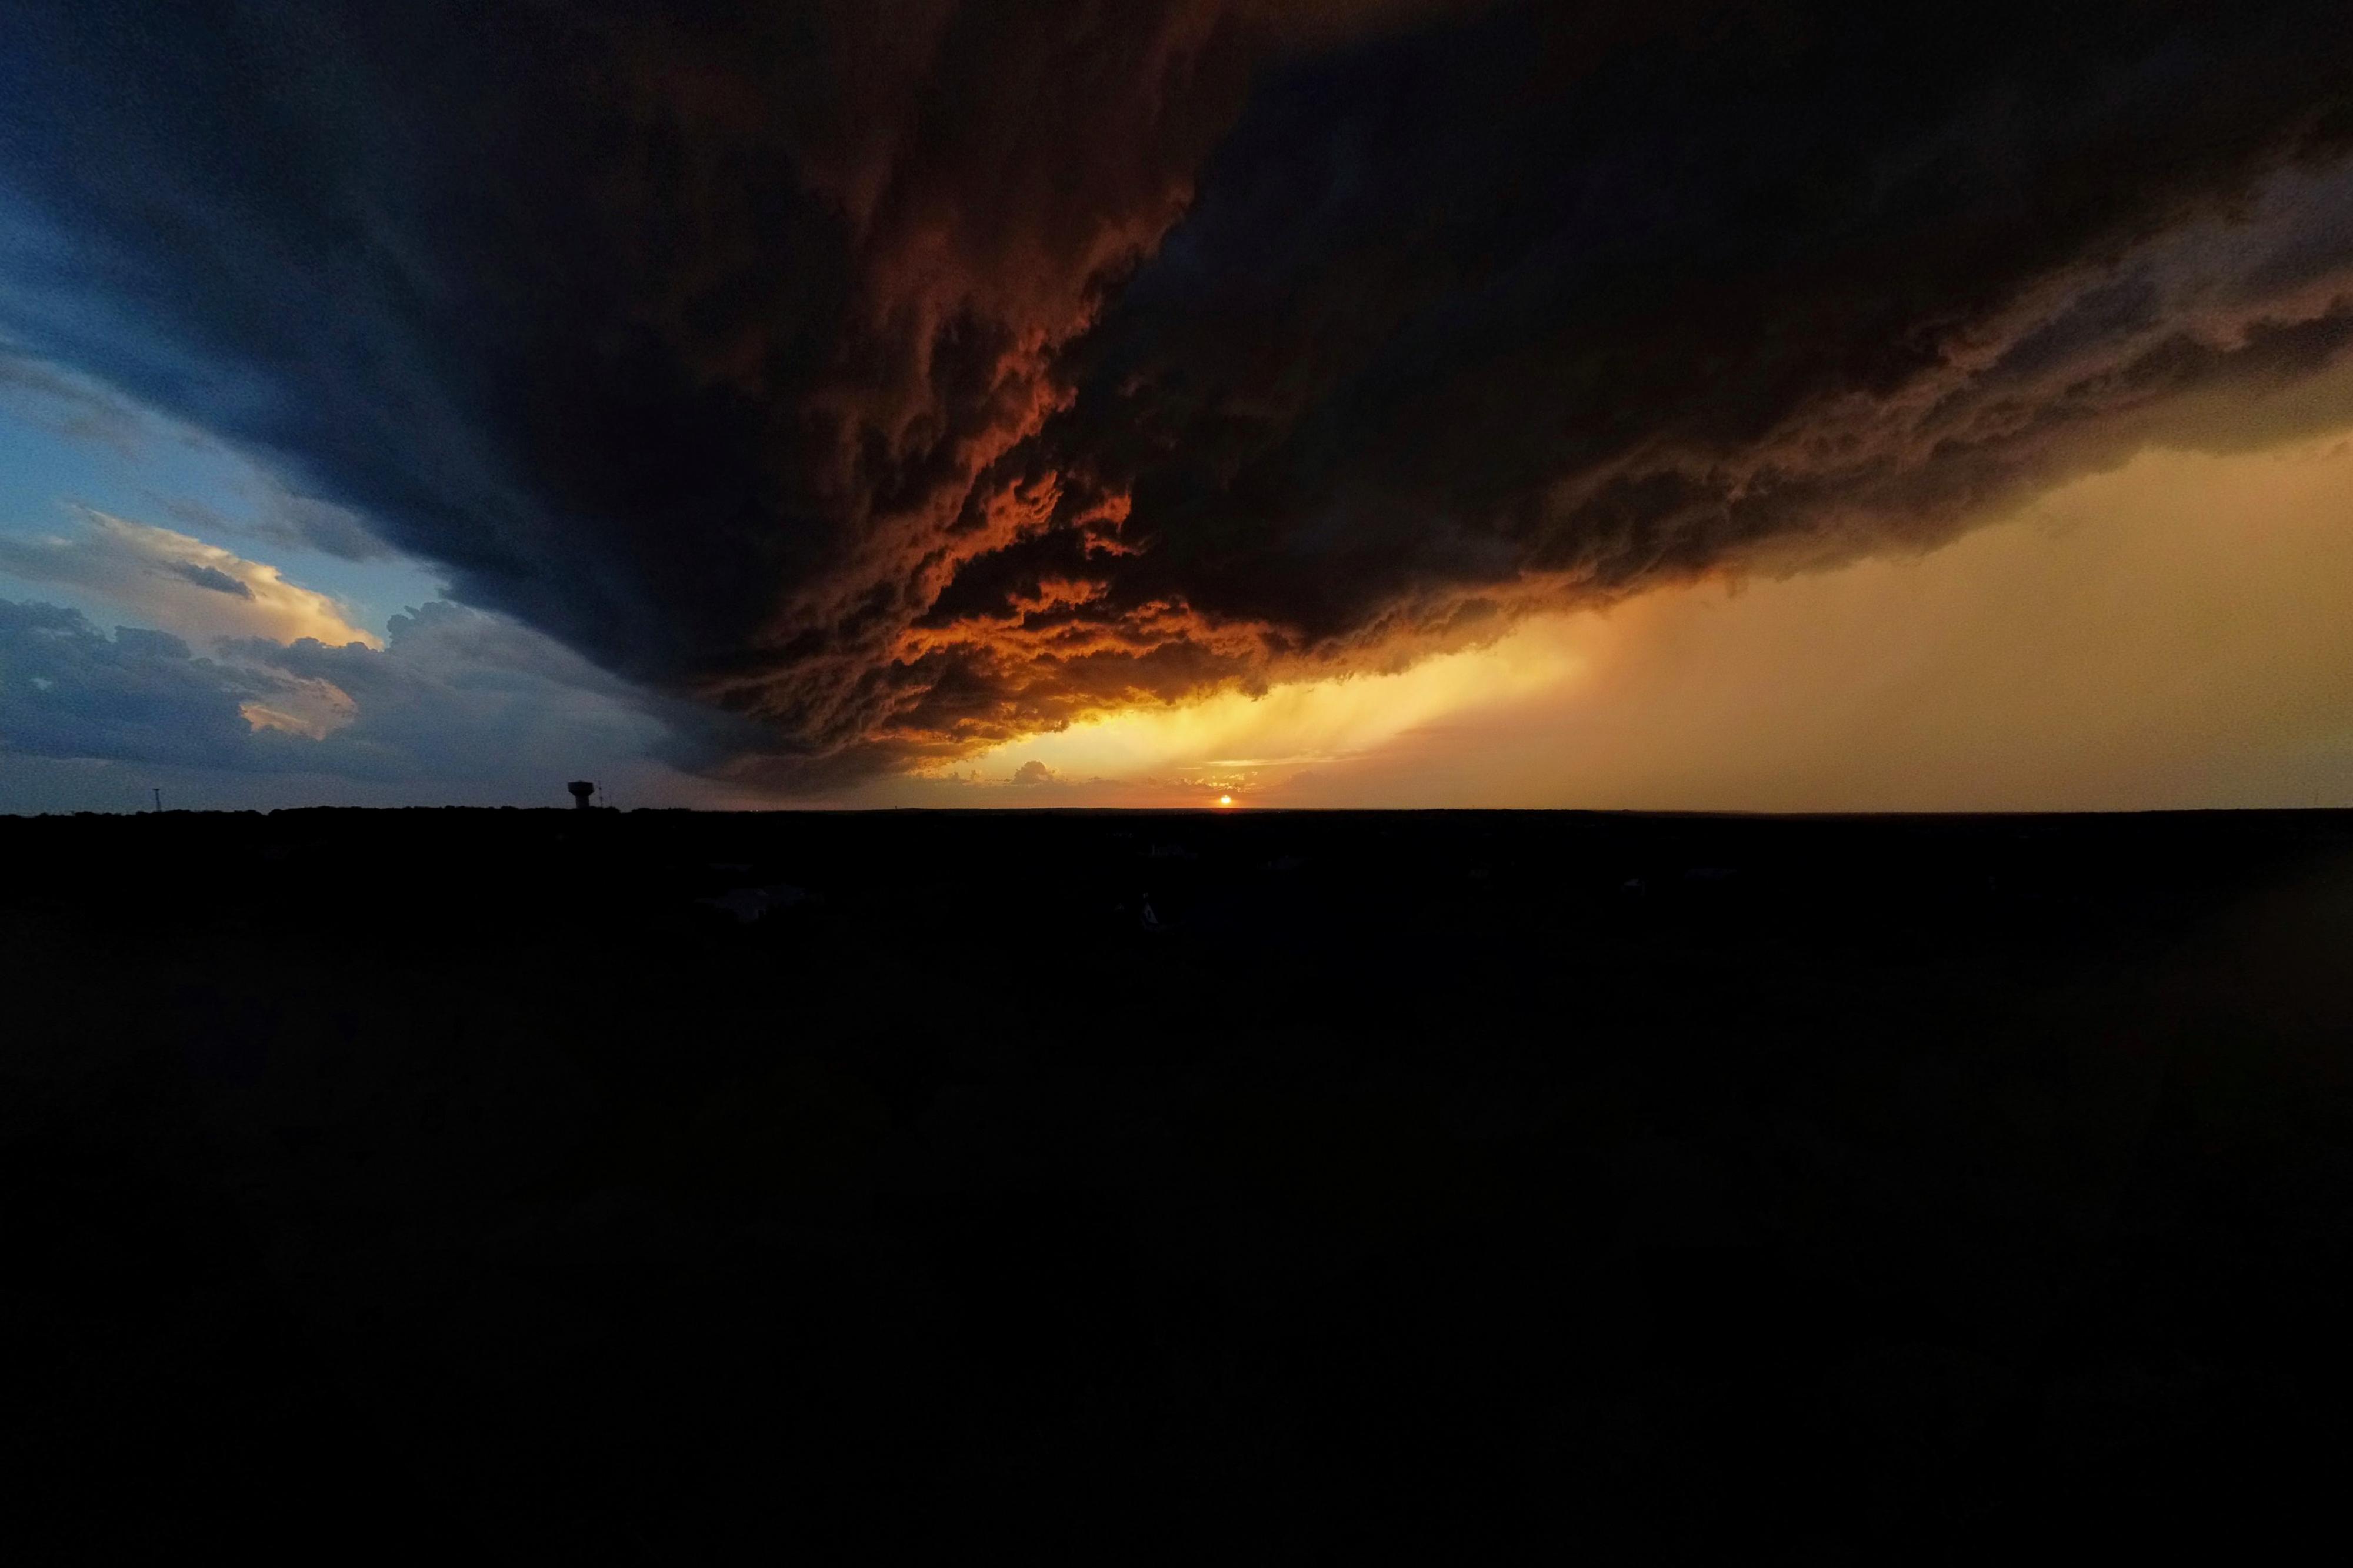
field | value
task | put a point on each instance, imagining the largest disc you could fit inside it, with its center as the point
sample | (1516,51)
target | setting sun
(1225,800)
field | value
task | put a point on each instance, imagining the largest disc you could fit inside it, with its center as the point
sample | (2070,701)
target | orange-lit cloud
(312,709)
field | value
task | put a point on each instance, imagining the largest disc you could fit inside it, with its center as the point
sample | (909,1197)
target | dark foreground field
(1891,1190)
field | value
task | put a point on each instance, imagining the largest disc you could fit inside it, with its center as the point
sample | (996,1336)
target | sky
(1365,402)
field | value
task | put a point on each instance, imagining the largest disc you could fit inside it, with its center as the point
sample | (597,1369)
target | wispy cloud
(69,405)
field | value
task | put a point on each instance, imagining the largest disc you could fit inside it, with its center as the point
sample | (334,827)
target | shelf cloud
(901,377)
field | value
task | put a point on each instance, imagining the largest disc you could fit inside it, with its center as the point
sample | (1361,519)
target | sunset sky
(1353,403)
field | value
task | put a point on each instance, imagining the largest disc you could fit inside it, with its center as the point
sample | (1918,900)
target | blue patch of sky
(65,441)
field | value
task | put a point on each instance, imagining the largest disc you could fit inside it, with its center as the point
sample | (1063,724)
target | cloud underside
(911,376)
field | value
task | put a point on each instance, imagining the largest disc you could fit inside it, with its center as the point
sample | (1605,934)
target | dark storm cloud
(210,577)
(908,376)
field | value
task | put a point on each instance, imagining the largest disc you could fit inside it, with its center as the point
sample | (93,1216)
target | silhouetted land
(1888,1189)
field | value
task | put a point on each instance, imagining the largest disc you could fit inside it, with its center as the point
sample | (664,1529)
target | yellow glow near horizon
(2166,633)
(1233,740)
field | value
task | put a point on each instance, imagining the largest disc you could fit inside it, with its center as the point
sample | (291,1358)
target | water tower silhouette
(581,790)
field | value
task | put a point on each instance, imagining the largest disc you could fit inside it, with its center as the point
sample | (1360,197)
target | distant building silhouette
(582,790)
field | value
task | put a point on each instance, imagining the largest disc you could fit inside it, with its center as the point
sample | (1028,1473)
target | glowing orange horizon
(1895,682)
